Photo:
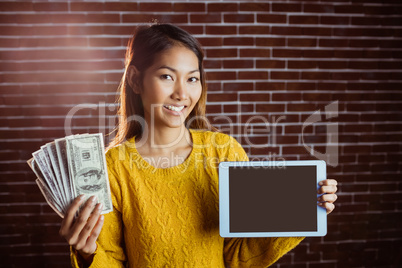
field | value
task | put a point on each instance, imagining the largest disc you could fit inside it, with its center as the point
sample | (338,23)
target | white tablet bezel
(224,224)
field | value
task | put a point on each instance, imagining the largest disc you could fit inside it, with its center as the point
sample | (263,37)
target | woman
(163,171)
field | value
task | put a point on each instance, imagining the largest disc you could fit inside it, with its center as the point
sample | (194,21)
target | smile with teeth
(174,108)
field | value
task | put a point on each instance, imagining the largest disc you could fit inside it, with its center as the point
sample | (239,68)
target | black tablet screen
(273,199)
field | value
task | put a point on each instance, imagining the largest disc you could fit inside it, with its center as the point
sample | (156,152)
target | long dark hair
(146,43)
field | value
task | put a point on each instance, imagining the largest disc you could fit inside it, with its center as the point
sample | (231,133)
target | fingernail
(81,197)
(100,206)
(320,183)
(102,218)
(93,199)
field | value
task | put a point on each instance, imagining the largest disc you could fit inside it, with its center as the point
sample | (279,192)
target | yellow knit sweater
(168,217)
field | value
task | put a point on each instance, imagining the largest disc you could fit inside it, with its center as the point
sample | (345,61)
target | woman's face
(171,87)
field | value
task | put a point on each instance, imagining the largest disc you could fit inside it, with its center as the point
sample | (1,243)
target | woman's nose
(180,91)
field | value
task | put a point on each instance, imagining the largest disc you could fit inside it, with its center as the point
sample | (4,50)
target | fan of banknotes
(69,167)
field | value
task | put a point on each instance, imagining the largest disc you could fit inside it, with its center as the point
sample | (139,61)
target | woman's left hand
(328,189)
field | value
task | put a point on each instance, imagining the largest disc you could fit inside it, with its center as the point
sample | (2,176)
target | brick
(240,108)
(221,97)
(221,30)
(284,75)
(263,30)
(335,20)
(301,107)
(221,75)
(287,53)
(104,42)
(103,18)
(41,6)
(318,8)
(286,97)
(315,75)
(271,18)
(238,18)
(238,64)
(270,42)
(16,6)
(214,108)
(221,53)
(323,42)
(160,7)
(206,18)
(317,31)
(86,6)
(85,30)
(255,52)
(237,86)
(255,6)
(334,64)
(302,42)
(286,31)
(270,108)
(189,7)
(121,6)
(289,150)
(297,19)
(302,64)
(253,75)
(210,41)
(29,31)
(222,7)
(270,64)
(286,7)
(269,86)
(255,97)
(213,64)
(238,41)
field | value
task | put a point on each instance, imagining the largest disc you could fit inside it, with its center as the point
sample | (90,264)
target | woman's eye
(193,79)
(166,76)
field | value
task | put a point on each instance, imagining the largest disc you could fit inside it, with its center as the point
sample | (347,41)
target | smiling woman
(170,88)
(144,49)
(163,173)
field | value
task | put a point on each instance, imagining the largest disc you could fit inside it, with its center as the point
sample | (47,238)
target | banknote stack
(69,167)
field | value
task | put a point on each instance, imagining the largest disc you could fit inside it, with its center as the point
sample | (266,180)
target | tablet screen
(272,199)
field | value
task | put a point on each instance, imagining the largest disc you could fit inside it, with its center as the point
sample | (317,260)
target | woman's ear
(132,78)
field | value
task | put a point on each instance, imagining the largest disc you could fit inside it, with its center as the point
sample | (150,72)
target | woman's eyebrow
(174,70)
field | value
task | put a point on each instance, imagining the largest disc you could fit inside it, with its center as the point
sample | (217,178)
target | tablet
(271,199)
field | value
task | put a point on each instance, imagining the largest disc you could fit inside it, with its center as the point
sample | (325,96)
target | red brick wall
(278,60)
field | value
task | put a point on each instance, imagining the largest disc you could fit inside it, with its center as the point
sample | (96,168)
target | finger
(88,228)
(91,241)
(328,198)
(328,206)
(331,189)
(83,217)
(69,217)
(328,182)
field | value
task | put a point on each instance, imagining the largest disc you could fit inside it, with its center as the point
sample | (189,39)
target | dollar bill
(54,168)
(87,168)
(50,199)
(63,164)
(39,157)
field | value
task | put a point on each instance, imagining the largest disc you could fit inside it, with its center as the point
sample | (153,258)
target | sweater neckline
(178,169)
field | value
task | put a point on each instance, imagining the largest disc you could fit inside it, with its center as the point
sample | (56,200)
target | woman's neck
(163,140)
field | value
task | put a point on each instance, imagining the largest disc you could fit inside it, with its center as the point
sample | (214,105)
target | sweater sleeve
(254,252)
(110,251)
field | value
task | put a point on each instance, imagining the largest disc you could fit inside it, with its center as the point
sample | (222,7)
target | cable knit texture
(168,217)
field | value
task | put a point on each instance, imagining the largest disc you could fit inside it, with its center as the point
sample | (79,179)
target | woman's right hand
(81,233)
